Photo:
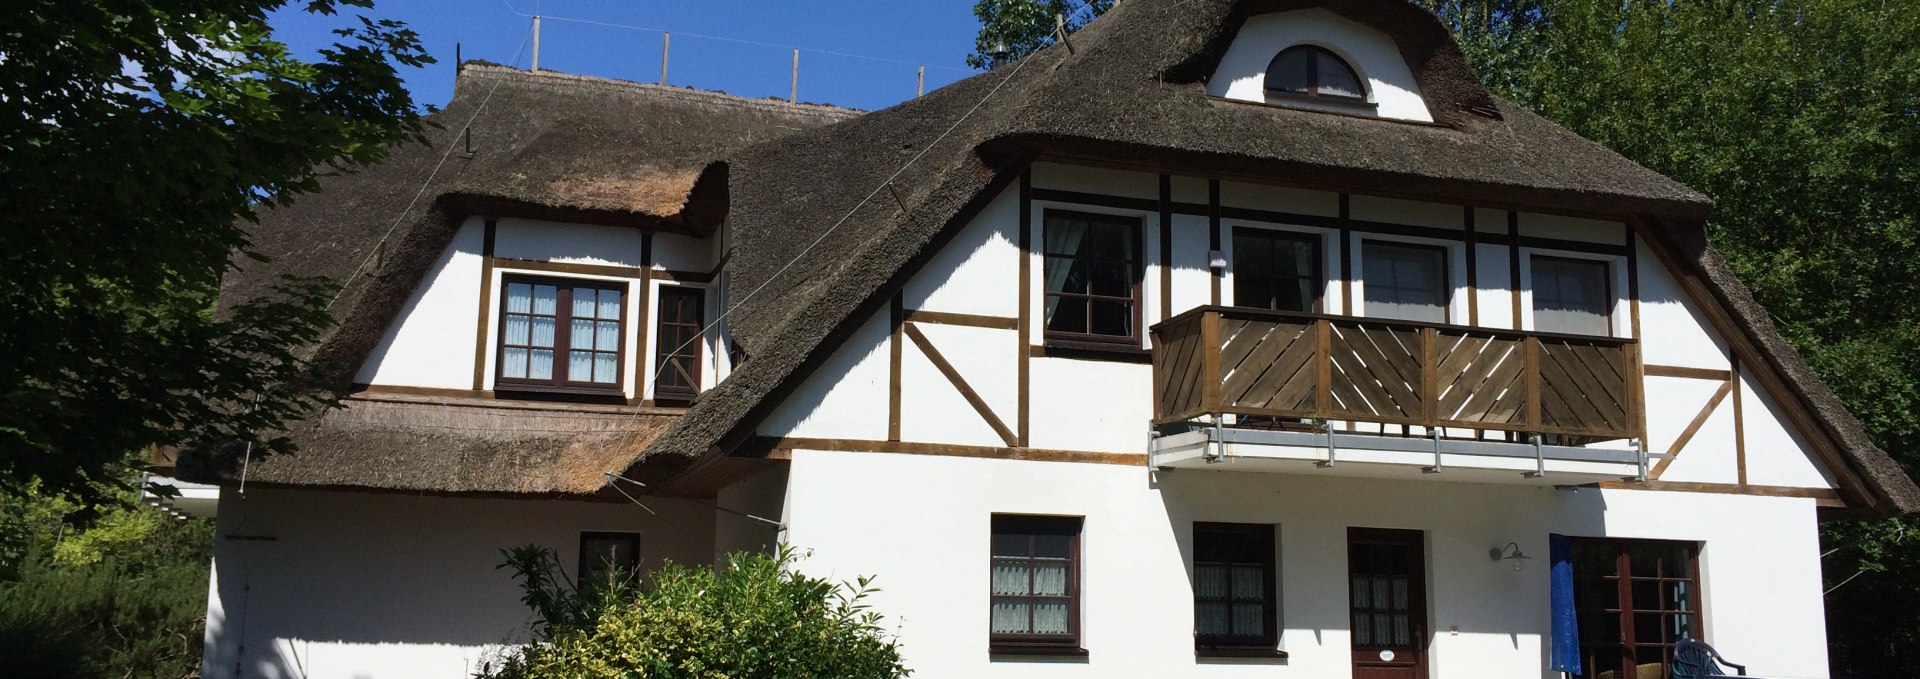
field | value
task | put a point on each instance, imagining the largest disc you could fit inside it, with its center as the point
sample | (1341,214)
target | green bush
(757,618)
(108,591)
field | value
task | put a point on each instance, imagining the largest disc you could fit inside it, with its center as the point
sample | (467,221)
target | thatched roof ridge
(1129,90)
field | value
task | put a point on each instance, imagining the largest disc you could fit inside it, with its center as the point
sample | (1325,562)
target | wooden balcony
(1250,362)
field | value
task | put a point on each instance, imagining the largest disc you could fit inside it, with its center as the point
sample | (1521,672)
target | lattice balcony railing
(1251,362)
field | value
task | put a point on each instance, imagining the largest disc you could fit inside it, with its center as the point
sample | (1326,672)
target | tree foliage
(1801,119)
(756,618)
(108,591)
(137,138)
(1022,26)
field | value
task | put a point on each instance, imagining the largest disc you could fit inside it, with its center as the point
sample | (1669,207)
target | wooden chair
(1693,658)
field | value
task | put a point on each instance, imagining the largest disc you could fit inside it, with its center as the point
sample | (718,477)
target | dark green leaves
(1022,26)
(137,138)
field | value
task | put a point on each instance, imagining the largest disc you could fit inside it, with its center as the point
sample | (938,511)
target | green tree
(1022,26)
(138,137)
(756,618)
(108,590)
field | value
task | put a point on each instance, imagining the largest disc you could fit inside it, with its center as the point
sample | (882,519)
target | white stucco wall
(921,524)
(424,346)
(363,585)
(1242,72)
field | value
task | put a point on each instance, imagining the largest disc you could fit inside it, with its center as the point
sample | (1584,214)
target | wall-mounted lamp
(1511,552)
(1216,260)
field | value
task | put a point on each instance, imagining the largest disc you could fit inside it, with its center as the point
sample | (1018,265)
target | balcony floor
(1229,449)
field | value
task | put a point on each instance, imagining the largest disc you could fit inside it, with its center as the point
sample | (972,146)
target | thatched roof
(450,445)
(1130,89)
(542,145)
(546,145)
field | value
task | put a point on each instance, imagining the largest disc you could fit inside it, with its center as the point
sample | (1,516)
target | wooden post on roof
(921,87)
(666,41)
(793,94)
(536,42)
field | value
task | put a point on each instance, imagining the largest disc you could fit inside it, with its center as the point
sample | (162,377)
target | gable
(1392,91)
(1710,423)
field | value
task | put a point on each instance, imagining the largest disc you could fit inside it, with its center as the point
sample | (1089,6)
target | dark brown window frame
(695,351)
(1265,534)
(581,568)
(1314,54)
(1627,612)
(560,383)
(1446,272)
(1136,228)
(1606,265)
(1319,275)
(1039,644)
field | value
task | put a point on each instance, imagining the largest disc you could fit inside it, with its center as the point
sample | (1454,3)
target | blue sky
(938,33)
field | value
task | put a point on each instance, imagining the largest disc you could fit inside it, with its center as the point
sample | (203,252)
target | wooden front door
(1387,600)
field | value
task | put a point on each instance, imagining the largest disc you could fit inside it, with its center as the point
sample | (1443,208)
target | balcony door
(1387,595)
(1277,270)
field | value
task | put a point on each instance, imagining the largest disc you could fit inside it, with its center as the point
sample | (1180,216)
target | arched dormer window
(1313,71)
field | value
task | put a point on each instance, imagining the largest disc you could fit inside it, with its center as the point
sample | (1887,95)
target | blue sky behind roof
(743,47)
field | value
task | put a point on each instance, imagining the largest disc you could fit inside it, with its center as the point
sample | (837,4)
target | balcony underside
(1227,448)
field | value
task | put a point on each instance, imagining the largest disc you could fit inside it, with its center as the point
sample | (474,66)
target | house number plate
(1386,656)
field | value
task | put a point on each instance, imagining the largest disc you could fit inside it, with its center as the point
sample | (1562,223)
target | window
(678,338)
(1233,588)
(604,556)
(1311,71)
(1093,277)
(1276,270)
(1407,282)
(1036,582)
(1570,296)
(1634,599)
(561,335)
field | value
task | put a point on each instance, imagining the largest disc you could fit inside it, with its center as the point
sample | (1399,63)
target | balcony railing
(1252,362)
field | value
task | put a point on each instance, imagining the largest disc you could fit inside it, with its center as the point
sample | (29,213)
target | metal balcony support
(1217,451)
(1331,451)
(1539,458)
(1639,453)
(1433,434)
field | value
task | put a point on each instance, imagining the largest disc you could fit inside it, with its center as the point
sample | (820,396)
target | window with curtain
(605,557)
(1234,607)
(1092,270)
(1312,71)
(1405,281)
(1570,296)
(561,335)
(1633,600)
(1035,601)
(677,360)
(1276,270)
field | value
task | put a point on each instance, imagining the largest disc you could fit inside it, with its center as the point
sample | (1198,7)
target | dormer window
(1313,71)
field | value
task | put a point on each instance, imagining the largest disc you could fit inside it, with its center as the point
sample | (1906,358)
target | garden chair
(1693,658)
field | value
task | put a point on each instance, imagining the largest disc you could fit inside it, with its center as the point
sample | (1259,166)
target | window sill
(1004,650)
(1231,652)
(1094,351)
(534,392)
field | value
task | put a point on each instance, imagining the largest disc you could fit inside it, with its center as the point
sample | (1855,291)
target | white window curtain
(1063,237)
(1570,296)
(1405,282)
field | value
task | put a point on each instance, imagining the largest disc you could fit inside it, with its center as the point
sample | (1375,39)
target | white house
(1233,339)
